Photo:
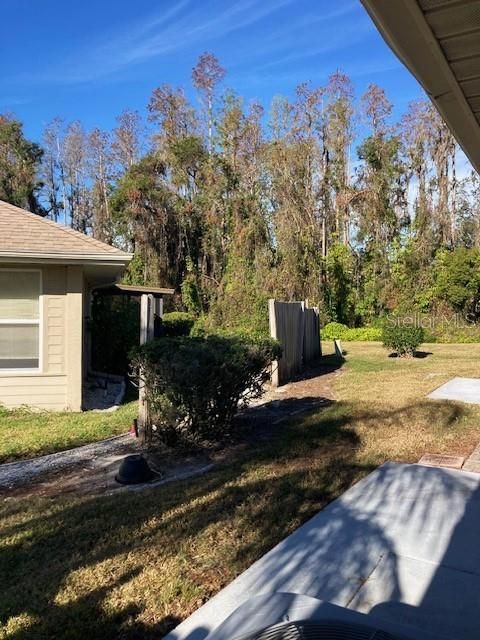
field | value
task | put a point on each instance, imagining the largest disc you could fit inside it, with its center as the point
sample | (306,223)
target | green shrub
(363,334)
(334,331)
(338,331)
(454,336)
(202,328)
(176,323)
(402,340)
(194,384)
(199,328)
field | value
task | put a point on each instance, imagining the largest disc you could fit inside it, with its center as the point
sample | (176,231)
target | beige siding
(74,337)
(58,384)
(54,290)
(38,391)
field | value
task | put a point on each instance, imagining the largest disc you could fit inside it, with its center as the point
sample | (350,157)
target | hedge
(338,331)
(194,385)
(176,323)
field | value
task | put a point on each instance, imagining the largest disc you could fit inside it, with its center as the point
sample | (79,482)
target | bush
(363,334)
(194,384)
(334,331)
(442,327)
(402,340)
(338,331)
(200,327)
(176,324)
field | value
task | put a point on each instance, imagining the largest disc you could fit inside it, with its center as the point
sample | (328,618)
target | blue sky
(89,60)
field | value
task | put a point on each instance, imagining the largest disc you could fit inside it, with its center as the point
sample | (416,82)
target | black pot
(134,470)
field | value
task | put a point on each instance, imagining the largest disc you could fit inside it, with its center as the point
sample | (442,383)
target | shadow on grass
(418,354)
(193,537)
(322,366)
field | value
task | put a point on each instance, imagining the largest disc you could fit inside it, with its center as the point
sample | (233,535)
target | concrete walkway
(472,463)
(458,389)
(401,546)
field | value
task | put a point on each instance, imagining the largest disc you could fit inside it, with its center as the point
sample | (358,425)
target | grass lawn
(26,434)
(134,564)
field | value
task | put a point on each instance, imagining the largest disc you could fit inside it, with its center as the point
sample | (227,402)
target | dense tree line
(324,197)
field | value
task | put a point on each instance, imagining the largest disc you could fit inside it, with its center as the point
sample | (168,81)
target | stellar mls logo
(435,321)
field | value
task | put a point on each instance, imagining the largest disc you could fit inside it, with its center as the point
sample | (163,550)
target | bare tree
(74,161)
(100,172)
(339,135)
(53,187)
(170,110)
(127,140)
(206,75)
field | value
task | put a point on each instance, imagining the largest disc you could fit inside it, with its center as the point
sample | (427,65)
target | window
(19,319)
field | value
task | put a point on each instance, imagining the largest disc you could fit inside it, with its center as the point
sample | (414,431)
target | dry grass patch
(133,565)
(390,409)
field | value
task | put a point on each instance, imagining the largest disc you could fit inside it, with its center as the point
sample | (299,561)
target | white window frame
(39,323)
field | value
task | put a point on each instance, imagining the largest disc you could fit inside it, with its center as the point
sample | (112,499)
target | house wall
(58,384)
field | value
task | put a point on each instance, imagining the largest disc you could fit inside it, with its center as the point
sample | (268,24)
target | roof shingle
(23,232)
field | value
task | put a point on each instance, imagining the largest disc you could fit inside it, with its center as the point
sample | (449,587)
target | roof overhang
(133,290)
(120,260)
(439,42)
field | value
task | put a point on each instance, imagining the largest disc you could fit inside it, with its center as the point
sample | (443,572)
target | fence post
(273,333)
(317,315)
(147,324)
(158,307)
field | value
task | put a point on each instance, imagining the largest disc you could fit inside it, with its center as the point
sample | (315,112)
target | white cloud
(350,34)
(179,28)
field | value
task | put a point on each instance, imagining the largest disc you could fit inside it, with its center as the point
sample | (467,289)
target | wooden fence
(312,348)
(297,328)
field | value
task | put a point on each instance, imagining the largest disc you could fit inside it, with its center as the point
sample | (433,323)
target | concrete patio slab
(459,389)
(400,546)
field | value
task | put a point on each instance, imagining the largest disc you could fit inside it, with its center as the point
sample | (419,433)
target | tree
(75,161)
(145,213)
(415,134)
(50,170)
(172,113)
(19,165)
(127,140)
(233,205)
(456,276)
(338,139)
(382,207)
(206,75)
(298,198)
(442,148)
(100,172)
(340,284)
